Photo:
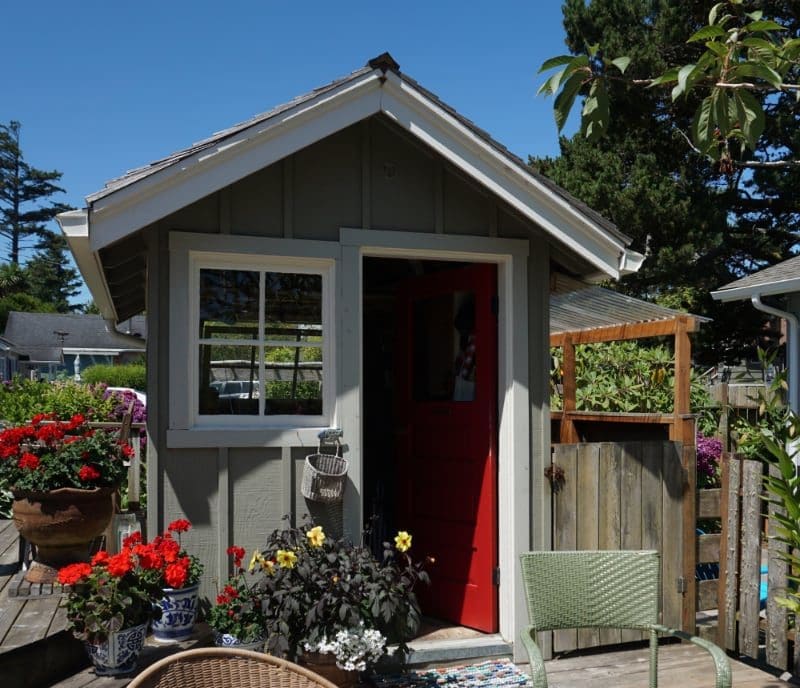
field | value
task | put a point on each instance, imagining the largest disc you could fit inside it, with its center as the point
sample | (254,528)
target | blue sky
(102,87)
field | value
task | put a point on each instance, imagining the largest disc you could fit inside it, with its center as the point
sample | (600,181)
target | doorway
(430,425)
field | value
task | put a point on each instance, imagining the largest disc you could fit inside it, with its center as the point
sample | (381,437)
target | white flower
(353,648)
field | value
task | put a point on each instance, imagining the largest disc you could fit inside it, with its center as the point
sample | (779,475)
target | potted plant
(177,574)
(62,476)
(109,604)
(329,601)
(236,618)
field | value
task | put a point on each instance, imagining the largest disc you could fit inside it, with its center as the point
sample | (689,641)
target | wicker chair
(600,589)
(220,667)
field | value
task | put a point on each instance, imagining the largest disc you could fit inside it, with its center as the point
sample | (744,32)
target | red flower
(180,525)
(87,473)
(132,540)
(238,554)
(168,548)
(101,558)
(120,564)
(149,558)
(74,573)
(231,592)
(223,599)
(28,460)
(76,421)
(127,449)
(176,573)
(50,433)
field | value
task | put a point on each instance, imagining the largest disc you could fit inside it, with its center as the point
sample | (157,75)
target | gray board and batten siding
(234,485)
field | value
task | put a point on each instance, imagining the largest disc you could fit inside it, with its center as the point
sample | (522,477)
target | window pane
(293,383)
(228,304)
(292,301)
(228,380)
(444,348)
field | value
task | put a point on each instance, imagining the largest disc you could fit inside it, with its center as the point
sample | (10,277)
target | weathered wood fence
(747,557)
(622,496)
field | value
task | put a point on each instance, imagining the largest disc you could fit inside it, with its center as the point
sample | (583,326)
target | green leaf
(683,77)
(555,62)
(703,125)
(666,78)
(595,114)
(721,103)
(756,15)
(566,98)
(754,119)
(757,71)
(763,25)
(621,63)
(719,49)
(707,32)
(712,15)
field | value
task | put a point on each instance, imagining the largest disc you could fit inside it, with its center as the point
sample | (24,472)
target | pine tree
(49,274)
(25,191)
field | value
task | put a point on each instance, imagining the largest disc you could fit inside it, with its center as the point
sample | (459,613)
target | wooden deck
(26,620)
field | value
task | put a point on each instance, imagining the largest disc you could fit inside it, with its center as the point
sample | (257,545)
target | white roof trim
(75,227)
(786,286)
(77,350)
(160,193)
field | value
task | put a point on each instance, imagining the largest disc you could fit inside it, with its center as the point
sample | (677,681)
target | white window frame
(199,260)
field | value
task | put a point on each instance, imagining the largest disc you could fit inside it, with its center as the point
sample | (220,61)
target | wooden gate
(622,496)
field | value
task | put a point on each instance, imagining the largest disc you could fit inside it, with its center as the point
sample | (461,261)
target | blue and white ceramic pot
(119,652)
(178,612)
(228,640)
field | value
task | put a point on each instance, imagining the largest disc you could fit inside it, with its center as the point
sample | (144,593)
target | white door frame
(513,480)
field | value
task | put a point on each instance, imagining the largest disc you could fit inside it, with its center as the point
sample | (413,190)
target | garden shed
(362,257)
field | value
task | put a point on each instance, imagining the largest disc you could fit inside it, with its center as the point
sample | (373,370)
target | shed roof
(142,196)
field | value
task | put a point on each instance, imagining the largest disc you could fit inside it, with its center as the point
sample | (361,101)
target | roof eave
(75,227)
(765,289)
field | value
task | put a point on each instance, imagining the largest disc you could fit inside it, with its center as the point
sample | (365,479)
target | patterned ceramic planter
(228,640)
(178,612)
(118,654)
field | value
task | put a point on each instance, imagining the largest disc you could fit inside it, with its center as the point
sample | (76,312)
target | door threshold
(429,652)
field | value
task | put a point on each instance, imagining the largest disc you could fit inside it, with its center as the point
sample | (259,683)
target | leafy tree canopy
(703,216)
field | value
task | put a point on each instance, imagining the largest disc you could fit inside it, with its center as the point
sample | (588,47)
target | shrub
(128,375)
(21,400)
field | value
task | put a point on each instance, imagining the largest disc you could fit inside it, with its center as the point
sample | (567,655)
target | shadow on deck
(37,652)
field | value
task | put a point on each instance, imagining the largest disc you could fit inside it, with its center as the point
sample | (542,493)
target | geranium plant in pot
(177,574)
(236,617)
(62,475)
(109,604)
(331,597)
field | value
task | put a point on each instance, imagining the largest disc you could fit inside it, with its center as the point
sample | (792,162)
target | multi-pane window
(260,342)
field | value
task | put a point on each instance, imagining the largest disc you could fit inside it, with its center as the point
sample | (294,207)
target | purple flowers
(709,451)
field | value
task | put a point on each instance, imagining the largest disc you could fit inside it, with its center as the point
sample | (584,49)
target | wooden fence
(747,557)
(621,496)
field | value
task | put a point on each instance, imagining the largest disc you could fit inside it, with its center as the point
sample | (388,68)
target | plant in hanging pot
(177,574)
(62,475)
(331,602)
(236,618)
(109,604)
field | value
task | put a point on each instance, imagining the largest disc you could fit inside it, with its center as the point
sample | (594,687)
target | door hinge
(496,575)
(681,584)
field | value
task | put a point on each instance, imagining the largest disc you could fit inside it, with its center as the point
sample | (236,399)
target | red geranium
(87,473)
(74,573)
(101,558)
(238,554)
(29,461)
(120,564)
(180,525)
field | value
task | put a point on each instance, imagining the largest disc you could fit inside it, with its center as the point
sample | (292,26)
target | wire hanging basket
(324,475)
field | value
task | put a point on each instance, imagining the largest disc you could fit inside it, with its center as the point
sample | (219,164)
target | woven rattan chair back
(592,589)
(226,668)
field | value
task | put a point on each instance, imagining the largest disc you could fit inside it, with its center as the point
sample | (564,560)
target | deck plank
(31,623)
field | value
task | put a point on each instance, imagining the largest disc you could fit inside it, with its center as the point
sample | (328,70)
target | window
(261,342)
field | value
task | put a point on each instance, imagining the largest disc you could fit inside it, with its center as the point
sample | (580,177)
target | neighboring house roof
(144,195)
(782,278)
(40,335)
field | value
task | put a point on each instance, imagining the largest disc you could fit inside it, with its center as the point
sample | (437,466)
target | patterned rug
(501,672)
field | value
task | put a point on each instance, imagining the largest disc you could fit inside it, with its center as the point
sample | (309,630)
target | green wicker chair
(221,667)
(600,589)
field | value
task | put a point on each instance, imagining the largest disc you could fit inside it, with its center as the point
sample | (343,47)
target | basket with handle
(324,475)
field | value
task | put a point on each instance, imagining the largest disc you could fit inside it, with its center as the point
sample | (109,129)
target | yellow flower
(315,536)
(257,559)
(402,541)
(268,566)
(286,558)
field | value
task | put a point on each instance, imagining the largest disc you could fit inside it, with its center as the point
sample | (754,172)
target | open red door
(447,457)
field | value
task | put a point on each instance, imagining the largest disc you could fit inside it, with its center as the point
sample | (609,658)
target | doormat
(501,672)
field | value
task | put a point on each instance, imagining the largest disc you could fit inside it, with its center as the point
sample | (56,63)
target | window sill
(211,437)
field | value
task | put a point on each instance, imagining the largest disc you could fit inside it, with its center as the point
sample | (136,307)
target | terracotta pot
(62,524)
(324,664)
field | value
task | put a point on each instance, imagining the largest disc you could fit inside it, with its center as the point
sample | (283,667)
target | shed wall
(369,176)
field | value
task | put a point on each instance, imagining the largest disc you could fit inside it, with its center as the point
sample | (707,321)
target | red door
(447,464)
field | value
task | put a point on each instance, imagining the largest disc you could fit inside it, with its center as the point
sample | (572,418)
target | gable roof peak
(385,62)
